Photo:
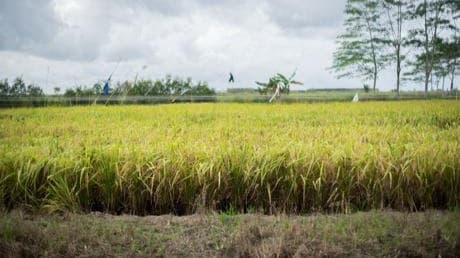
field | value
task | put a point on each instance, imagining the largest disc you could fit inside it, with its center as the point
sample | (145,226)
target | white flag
(355,98)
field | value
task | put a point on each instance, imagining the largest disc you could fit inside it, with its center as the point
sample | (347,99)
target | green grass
(224,97)
(299,158)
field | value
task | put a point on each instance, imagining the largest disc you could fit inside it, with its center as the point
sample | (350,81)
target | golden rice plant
(179,158)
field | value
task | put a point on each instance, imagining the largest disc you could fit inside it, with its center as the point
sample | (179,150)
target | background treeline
(418,39)
(19,89)
(159,87)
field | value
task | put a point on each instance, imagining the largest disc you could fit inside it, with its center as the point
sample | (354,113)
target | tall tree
(433,15)
(394,18)
(450,53)
(360,47)
(453,48)
(441,66)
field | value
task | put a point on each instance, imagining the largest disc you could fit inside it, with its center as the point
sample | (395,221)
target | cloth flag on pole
(106,88)
(355,98)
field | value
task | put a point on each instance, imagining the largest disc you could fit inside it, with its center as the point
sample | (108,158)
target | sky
(64,43)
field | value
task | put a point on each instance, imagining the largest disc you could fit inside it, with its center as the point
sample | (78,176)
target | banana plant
(278,84)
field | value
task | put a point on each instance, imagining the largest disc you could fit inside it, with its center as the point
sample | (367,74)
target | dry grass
(370,234)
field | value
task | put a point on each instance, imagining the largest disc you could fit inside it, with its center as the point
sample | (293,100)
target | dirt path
(369,234)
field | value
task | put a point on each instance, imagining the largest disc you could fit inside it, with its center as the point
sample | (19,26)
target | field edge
(431,233)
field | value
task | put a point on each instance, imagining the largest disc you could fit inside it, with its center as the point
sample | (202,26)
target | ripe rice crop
(181,158)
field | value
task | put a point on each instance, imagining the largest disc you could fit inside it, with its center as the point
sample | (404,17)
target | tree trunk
(427,74)
(399,37)
(427,79)
(398,68)
(429,59)
(443,82)
(437,83)
(375,76)
(453,76)
(374,55)
(375,68)
(396,37)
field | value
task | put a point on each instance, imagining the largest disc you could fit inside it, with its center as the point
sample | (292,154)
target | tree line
(19,89)
(160,87)
(419,38)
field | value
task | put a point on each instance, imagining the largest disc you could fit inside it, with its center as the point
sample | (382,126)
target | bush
(366,88)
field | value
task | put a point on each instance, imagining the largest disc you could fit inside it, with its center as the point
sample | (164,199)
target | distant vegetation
(19,89)
(160,87)
(241,90)
(337,89)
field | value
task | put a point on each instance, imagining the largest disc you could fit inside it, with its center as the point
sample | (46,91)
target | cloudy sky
(78,42)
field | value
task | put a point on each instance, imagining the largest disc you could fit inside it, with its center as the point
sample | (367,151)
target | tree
(69,93)
(447,59)
(80,91)
(201,89)
(97,88)
(452,49)
(167,86)
(185,86)
(395,15)
(366,88)
(450,55)
(360,50)
(18,88)
(278,84)
(440,69)
(57,90)
(34,91)
(4,88)
(433,16)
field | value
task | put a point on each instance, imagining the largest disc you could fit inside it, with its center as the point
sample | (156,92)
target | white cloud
(81,40)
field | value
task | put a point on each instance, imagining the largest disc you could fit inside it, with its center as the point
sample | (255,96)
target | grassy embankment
(370,234)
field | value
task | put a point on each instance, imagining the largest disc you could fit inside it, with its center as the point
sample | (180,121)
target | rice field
(184,158)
